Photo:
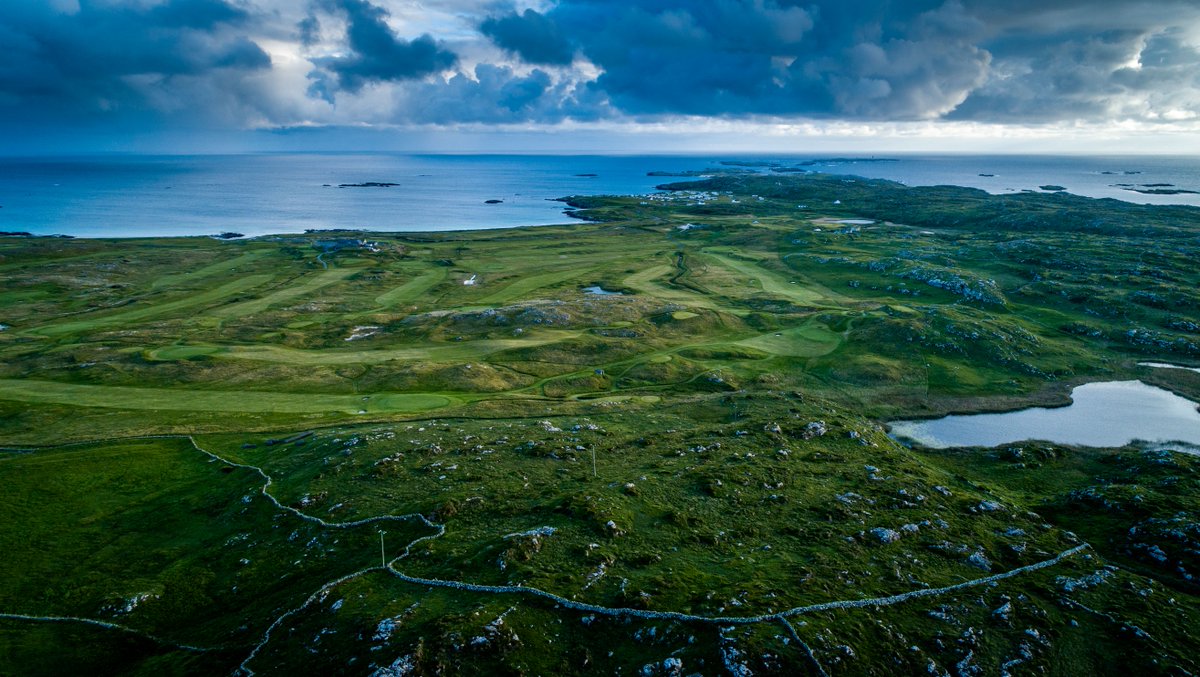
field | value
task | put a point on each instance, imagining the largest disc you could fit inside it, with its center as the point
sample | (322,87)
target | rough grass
(694,391)
(168,399)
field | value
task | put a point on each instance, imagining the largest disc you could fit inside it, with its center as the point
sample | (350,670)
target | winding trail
(780,617)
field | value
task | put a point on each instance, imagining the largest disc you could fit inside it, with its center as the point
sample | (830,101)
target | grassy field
(167,399)
(295,289)
(153,309)
(706,438)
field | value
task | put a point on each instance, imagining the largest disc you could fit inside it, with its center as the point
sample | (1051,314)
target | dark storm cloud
(735,57)
(377,53)
(872,59)
(99,61)
(1142,70)
(531,36)
(148,64)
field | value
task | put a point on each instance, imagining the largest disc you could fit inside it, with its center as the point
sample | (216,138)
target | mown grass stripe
(179,399)
(143,312)
(298,289)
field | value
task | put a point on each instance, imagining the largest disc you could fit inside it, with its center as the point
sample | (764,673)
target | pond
(600,291)
(1109,414)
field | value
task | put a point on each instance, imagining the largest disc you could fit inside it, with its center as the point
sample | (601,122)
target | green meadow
(705,437)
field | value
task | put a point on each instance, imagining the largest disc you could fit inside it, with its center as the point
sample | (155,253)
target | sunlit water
(1110,414)
(142,196)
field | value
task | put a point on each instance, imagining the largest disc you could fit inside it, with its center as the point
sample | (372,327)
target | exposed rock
(401,667)
(885,535)
(533,533)
(979,561)
(814,429)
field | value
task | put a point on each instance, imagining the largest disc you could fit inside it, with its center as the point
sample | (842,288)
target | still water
(1110,414)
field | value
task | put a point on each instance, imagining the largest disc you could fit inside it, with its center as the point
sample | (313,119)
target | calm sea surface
(136,196)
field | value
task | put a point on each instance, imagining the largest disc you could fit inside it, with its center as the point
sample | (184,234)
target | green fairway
(465,351)
(527,285)
(770,282)
(178,399)
(210,270)
(412,290)
(809,340)
(240,285)
(313,282)
(648,282)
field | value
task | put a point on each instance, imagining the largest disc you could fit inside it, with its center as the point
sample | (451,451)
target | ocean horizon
(122,196)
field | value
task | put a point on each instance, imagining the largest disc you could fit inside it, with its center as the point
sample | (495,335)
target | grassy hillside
(675,406)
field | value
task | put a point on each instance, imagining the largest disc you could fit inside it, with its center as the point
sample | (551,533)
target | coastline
(262,194)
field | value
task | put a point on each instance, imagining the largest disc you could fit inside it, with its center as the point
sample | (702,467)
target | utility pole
(382,556)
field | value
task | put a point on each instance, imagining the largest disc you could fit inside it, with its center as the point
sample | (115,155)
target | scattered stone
(533,533)
(383,631)
(401,667)
(1099,577)
(814,429)
(979,561)
(885,535)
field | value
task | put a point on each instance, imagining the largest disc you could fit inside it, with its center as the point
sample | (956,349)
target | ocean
(258,194)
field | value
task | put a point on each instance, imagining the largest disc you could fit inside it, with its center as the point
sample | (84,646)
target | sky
(600,75)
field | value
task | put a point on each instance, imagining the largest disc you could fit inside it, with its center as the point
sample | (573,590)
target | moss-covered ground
(705,437)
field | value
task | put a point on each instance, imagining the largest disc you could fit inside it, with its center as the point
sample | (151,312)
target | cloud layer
(277,63)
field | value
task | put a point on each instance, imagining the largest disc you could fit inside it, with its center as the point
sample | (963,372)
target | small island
(1163,191)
